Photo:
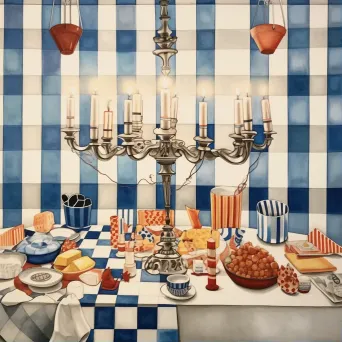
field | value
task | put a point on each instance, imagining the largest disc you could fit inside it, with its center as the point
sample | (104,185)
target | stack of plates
(42,280)
(61,234)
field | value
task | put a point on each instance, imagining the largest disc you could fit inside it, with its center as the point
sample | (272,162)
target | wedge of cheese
(80,264)
(43,222)
(68,257)
(200,237)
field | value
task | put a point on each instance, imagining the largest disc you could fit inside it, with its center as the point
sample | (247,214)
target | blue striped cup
(272,221)
(77,218)
(178,284)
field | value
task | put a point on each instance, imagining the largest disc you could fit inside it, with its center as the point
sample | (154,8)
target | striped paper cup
(77,218)
(272,221)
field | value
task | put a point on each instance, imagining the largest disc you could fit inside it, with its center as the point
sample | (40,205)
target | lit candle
(108,122)
(165,99)
(247,113)
(238,113)
(266,114)
(128,117)
(137,103)
(203,118)
(70,117)
(174,107)
(94,116)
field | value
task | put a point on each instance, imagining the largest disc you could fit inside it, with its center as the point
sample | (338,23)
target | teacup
(178,284)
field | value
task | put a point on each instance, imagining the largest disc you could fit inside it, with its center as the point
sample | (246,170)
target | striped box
(77,218)
(272,221)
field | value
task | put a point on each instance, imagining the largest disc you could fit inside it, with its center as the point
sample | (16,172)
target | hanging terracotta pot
(66,35)
(268,36)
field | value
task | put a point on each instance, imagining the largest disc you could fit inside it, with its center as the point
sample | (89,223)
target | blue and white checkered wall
(216,56)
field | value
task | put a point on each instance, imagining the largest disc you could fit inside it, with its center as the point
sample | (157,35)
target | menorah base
(165,264)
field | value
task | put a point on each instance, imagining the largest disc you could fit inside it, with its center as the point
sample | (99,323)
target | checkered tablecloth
(133,312)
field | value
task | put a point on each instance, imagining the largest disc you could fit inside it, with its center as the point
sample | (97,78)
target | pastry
(43,222)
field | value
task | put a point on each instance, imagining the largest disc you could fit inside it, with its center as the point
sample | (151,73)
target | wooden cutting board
(310,264)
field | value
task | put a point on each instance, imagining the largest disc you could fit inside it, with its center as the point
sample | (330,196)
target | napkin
(70,323)
(15,297)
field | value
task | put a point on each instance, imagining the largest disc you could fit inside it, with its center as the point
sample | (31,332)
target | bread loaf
(43,222)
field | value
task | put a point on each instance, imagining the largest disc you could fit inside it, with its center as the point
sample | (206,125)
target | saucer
(191,293)
(42,290)
(120,254)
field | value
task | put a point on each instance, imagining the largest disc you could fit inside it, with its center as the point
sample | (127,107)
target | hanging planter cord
(65,10)
(266,4)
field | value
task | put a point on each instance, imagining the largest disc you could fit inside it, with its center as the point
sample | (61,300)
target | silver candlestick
(166,150)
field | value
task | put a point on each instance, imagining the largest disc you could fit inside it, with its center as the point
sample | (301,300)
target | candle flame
(203,93)
(237,92)
(165,82)
(95,92)
(109,105)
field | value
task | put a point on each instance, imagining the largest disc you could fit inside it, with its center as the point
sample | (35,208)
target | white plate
(191,293)
(141,255)
(42,290)
(156,228)
(53,276)
(64,233)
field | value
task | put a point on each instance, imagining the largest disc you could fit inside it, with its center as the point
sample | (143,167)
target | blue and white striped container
(272,221)
(77,218)
(178,284)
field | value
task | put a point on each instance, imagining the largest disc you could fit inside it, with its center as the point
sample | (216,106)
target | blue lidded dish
(39,248)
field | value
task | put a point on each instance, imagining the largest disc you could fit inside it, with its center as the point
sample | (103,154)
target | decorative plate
(43,290)
(40,277)
(61,234)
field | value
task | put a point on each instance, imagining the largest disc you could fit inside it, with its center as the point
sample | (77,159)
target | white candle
(129,255)
(247,113)
(70,117)
(108,123)
(238,122)
(174,107)
(203,113)
(165,99)
(137,103)
(266,114)
(94,116)
(128,117)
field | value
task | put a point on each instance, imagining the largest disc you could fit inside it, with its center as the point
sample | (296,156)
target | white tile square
(232,17)
(277,170)
(104,335)
(102,251)
(318,16)
(185,17)
(146,63)
(148,300)
(108,168)
(145,18)
(115,263)
(183,172)
(224,110)
(130,289)
(70,163)
(126,318)
(70,64)
(186,62)
(147,335)
(104,236)
(318,221)
(89,314)
(318,170)
(150,289)
(91,289)
(106,63)
(186,109)
(96,228)
(32,61)
(236,172)
(107,17)
(318,61)
(232,62)
(32,167)
(105,300)
(278,63)
(167,318)
(318,110)
(145,168)
(103,215)
(32,110)
(279,109)
(32,17)
(88,243)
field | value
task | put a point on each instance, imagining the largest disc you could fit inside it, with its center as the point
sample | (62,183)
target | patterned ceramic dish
(39,248)
(40,277)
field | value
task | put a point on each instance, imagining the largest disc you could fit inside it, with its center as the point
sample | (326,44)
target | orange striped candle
(211,260)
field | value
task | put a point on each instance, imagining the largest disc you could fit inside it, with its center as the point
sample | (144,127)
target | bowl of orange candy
(252,267)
